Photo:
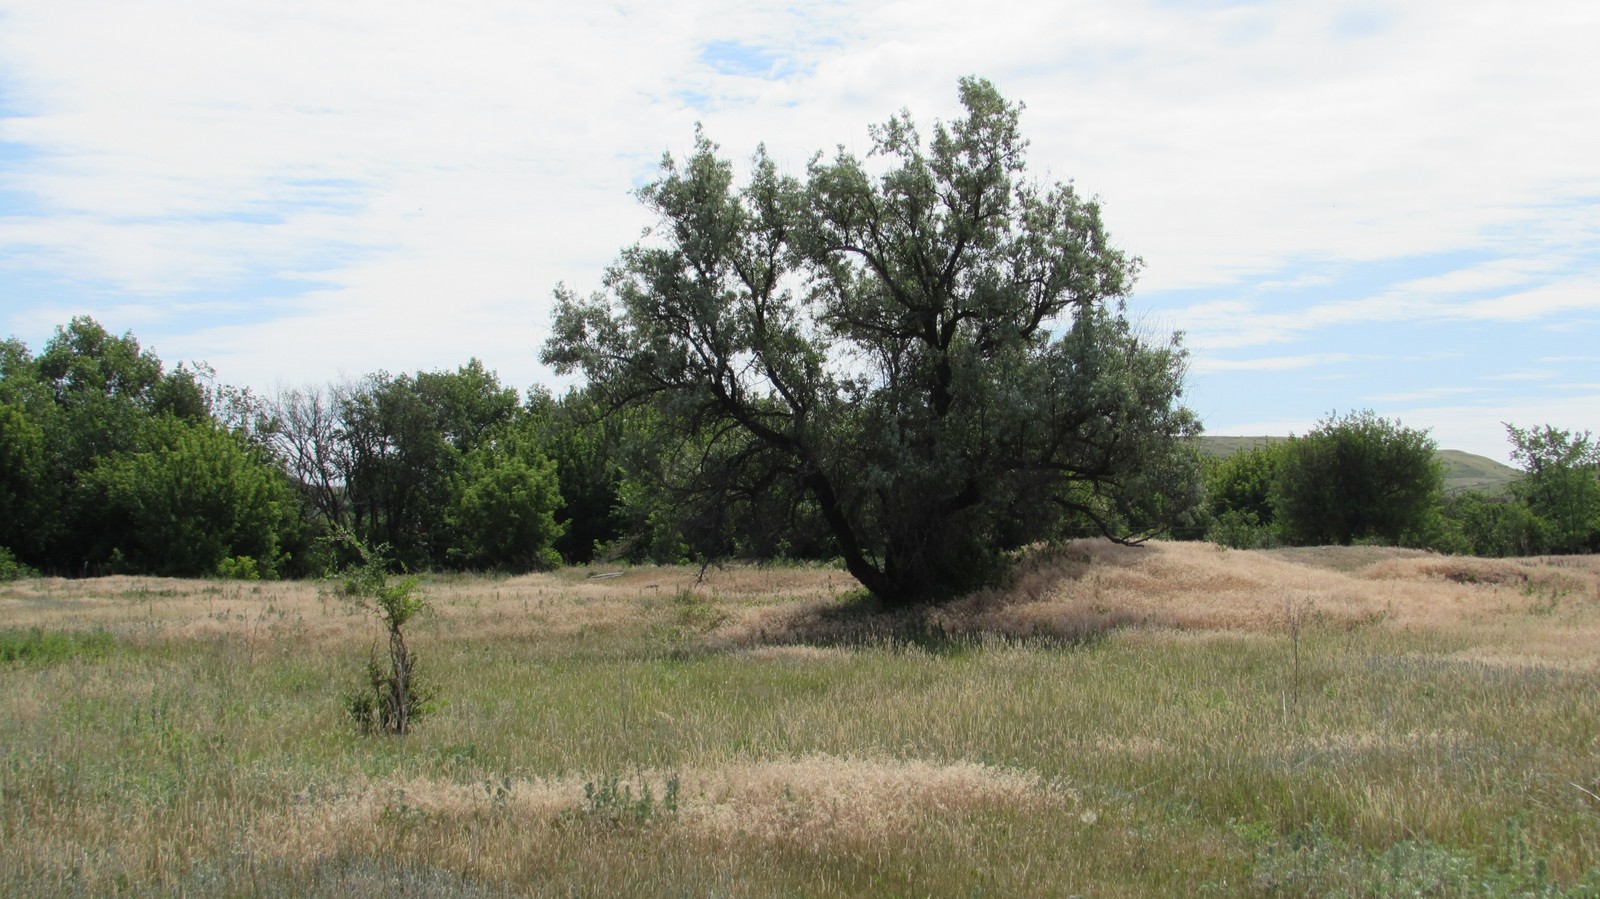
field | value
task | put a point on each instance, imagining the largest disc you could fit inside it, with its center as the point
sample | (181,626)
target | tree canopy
(111,462)
(1355,478)
(924,350)
(1561,485)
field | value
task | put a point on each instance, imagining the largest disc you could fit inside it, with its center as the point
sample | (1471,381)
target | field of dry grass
(1117,721)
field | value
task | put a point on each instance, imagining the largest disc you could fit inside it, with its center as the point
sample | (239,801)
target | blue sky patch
(746,60)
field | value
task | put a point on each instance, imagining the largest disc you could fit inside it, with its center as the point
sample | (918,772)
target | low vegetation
(1115,721)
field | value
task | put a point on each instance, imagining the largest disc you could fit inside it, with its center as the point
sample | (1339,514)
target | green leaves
(504,513)
(391,697)
(1562,485)
(929,357)
(1355,478)
(193,497)
(409,440)
(110,461)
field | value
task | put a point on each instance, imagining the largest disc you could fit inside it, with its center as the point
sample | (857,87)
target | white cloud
(1413,396)
(1478,428)
(415,177)
(1210,364)
(1453,297)
(1521,375)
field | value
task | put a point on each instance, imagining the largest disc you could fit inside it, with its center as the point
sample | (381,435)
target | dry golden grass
(816,802)
(1510,611)
(1516,612)
(556,604)
(1540,610)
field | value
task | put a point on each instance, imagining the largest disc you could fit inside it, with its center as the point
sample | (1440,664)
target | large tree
(927,348)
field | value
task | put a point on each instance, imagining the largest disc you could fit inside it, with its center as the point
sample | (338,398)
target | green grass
(41,647)
(1151,763)
(1223,445)
(1465,471)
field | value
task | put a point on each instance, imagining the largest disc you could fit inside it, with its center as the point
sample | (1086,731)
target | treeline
(110,462)
(1366,479)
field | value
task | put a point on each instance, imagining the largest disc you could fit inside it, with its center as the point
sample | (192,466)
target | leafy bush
(11,569)
(1237,529)
(1360,477)
(239,568)
(1243,482)
(194,497)
(612,802)
(1482,525)
(505,510)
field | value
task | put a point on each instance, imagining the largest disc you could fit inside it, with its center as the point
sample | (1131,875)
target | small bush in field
(239,568)
(391,697)
(612,802)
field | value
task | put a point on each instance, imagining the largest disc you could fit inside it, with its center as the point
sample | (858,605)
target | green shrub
(1357,478)
(239,568)
(11,569)
(1494,526)
(1238,529)
(611,802)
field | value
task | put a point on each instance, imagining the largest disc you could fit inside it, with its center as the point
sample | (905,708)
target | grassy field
(1119,722)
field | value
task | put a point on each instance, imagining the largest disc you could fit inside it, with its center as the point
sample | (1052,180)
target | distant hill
(1462,471)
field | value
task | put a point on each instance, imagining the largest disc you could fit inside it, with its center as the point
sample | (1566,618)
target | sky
(1368,205)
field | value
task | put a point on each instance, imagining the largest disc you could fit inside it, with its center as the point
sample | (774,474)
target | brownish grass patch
(1512,610)
(812,802)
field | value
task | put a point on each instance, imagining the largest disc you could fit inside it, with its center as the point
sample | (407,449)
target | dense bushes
(1368,479)
(192,497)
